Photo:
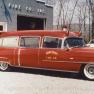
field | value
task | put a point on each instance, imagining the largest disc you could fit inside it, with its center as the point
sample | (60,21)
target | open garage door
(30,23)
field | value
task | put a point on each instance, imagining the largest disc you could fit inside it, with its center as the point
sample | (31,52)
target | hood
(85,54)
(86,49)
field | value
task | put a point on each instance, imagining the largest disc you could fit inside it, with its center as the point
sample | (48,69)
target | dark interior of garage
(1,28)
(29,23)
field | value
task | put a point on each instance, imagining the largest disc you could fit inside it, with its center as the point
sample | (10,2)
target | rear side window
(52,42)
(10,42)
(32,42)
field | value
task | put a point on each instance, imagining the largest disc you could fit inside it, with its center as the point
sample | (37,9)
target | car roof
(54,33)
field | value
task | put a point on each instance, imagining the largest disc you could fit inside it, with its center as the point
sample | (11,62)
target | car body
(48,50)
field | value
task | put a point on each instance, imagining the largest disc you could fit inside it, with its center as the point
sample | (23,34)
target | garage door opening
(30,23)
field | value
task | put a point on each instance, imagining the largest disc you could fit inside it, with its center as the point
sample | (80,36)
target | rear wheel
(4,66)
(88,71)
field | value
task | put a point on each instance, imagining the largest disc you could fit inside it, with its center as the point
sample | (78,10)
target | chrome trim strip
(65,61)
(53,61)
(19,50)
(3,58)
(14,59)
(47,69)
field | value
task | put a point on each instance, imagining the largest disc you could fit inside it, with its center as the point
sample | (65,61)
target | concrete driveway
(23,81)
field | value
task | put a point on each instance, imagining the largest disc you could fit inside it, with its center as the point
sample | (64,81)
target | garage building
(26,15)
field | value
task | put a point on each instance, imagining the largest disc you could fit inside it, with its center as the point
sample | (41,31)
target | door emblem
(51,52)
(51,55)
(71,58)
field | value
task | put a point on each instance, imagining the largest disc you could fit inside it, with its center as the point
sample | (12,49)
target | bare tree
(89,19)
(73,14)
(82,16)
(63,12)
(67,13)
(60,11)
(91,6)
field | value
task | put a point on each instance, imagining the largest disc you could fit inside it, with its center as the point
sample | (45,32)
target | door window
(52,42)
(32,42)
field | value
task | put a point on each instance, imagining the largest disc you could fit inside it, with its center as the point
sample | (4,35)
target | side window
(52,42)
(32,42)
(10,42)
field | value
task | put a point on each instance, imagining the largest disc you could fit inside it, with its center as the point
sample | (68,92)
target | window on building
(1,28)
(10,42)
(32,42)
(52,42)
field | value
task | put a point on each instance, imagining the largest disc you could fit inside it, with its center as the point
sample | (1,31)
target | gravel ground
(26,82)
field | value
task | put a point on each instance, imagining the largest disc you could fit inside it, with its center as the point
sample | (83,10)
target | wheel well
(5,62)
(5,67)
(81,68)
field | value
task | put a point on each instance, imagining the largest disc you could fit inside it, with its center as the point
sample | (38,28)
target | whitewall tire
(4,66)
(89,71)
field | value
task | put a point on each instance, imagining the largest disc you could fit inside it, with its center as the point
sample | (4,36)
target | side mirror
(66,49)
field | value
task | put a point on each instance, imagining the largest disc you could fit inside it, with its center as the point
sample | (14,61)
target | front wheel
(4,66)
(88,71)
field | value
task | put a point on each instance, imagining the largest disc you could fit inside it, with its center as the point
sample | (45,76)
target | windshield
(74,42)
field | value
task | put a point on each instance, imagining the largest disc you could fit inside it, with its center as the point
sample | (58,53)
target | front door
(49,55)
(28,51)
(52,56)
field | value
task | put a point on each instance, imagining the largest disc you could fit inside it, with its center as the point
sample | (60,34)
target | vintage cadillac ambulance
(49,50)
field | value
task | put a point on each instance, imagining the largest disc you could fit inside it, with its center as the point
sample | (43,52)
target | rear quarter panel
(9,55)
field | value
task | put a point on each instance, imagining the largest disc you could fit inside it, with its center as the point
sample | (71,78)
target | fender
(5,59)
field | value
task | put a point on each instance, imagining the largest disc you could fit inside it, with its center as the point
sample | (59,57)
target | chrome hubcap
(89,71)
(3,65)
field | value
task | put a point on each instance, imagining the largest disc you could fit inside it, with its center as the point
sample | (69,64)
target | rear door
(9,49)
(29,50)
